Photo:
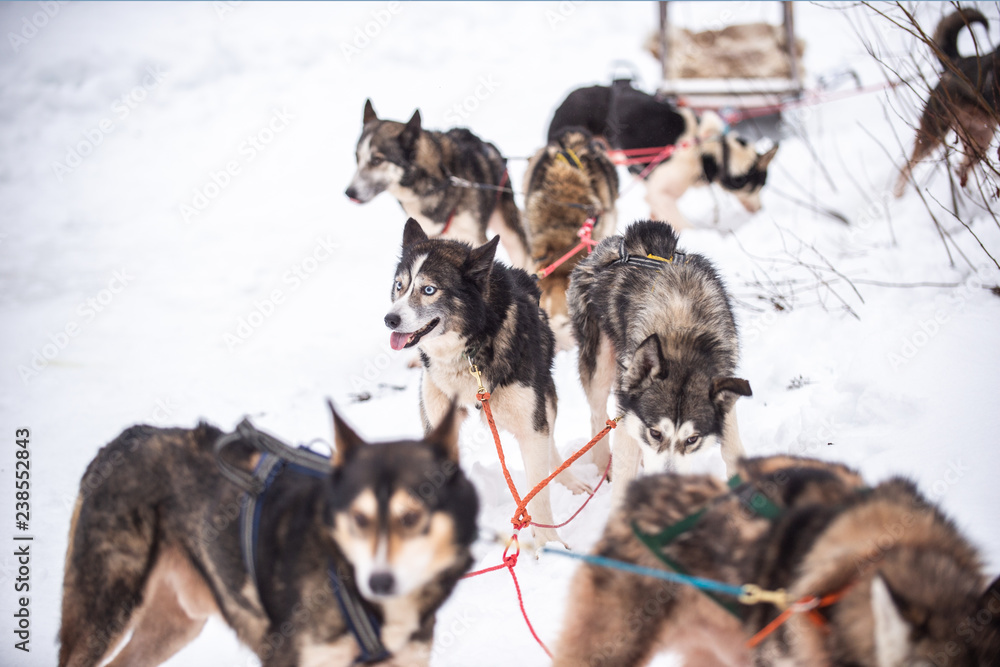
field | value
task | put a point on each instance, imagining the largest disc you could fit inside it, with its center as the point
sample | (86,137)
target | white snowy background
(118,305)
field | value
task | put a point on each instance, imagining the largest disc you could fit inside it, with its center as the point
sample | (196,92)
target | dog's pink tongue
(397,339)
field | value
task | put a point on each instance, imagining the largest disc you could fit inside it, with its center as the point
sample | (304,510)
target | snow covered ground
(175,244)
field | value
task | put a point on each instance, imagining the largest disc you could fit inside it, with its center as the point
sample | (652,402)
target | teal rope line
(697,582)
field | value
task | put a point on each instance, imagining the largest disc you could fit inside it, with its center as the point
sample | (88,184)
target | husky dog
(901,581)
(420,167)
(628,118)
(460,307)
(569,182)
(966,99)
(662,332)
(155,548)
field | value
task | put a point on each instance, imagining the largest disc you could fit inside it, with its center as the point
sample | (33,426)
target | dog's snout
(351,193)
(382,583)
(392,320)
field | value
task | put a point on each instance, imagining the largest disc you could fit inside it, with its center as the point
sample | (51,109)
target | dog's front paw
(573,483)
(545,536)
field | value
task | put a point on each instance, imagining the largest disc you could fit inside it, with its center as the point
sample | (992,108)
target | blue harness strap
(276,458)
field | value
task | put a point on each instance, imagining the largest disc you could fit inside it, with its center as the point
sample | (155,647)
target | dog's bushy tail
(946,34)
(650,237)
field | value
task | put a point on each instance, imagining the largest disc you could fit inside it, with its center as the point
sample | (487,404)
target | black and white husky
(657,325)
(459,307)
(706,152)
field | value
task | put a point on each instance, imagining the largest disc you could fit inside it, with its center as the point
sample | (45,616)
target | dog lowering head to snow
(898,585)
(431,175)
(155,549)
(460,307)
(568,183)
(657,325)
(706,153)
(966,99)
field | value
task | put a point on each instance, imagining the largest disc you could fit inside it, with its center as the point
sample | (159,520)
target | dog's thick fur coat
(567,183)
(966,100)
(154,549)
(665,339)
(456,303)
(628,118)
(909,580)
(417,167)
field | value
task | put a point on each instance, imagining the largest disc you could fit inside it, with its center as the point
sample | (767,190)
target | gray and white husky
(458,307)
(657,325)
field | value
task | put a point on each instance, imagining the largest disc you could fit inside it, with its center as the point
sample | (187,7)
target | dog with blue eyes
(459,307)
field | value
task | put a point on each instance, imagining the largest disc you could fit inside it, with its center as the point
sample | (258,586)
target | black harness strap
(647,261)
(276,458)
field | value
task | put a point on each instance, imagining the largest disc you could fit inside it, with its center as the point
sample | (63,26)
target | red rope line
(585,242)
(585,502)
(520,601)
(565,464)
(521,517)
(509,561)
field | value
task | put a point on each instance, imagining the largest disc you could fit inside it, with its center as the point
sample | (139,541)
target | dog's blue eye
(398,285)
(376,160)
(693,439)
(429,289)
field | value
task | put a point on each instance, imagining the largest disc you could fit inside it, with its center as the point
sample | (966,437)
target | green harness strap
(756,501)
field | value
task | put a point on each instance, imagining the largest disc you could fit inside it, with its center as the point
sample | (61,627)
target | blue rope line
(697,582)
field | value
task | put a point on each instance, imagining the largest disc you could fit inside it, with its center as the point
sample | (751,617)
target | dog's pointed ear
(647,362)
(991,593)
(370,114)
(726,390)
(345,440)
(479,265)
(411,132)
(444,437)
(989,645)
(892,632)
(766,158)
(413,233)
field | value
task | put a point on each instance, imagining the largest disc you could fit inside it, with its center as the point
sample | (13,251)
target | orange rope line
(806,605)
(567,463)
(521,517)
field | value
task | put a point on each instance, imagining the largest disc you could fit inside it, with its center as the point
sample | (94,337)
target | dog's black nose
(392,320)
(351,193)
(382,583)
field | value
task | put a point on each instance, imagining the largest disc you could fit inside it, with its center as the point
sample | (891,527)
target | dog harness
(749,497)
(277,458)
(650,261)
